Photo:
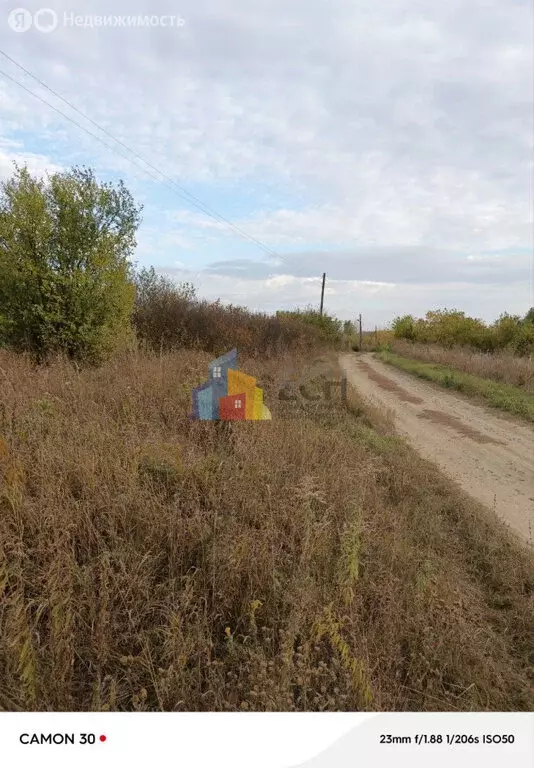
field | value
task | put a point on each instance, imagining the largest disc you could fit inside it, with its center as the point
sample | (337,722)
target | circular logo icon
(20,20)
(45,20)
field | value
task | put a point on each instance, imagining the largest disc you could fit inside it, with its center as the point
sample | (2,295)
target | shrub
(329,328)
(383,347)
(507,329)
(451,328)
(65,283)
(404,328)
(169,316)
(523,342)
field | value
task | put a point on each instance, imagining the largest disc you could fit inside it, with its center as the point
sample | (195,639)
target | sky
(388,144)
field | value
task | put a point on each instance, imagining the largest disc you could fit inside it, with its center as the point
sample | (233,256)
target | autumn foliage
(451,328)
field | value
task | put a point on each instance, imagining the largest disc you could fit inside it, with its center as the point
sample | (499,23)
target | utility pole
(322,295)
(361,338)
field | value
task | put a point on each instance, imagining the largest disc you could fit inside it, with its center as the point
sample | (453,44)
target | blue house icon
(206,396)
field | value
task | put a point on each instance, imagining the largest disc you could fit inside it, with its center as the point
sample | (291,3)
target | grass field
(314,562)
(506,397)
(502,366)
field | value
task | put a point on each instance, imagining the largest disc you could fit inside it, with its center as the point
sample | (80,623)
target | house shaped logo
(229,394)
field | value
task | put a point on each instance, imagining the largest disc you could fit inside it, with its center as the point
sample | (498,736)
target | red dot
(102,738)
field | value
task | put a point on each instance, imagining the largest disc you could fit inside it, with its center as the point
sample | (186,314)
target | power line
(4,74)
(190,198)
(200,206)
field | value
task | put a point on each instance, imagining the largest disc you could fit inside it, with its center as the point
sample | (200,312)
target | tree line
(68,284)
(452,328)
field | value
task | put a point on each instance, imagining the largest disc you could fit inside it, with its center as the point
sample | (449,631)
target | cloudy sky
(386,142)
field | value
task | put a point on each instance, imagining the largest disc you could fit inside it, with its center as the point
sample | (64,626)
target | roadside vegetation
(168,316)
(496,394)
(68,284)
(452,329)
(490,361)
(314,562)
(65,275)
(149,562)
(502,366)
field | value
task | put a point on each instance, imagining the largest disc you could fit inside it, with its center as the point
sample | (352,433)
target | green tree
(149,287)
(523,343)
(404,327)
(66,283)
(507,329)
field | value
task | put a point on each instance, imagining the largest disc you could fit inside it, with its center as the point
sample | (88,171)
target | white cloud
(13,152)
(378,302)
(403,124)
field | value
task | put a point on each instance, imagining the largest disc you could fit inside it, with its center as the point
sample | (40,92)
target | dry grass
(312,563)
(499,366)
(379,338)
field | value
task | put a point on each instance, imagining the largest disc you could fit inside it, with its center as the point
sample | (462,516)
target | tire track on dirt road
(489,456)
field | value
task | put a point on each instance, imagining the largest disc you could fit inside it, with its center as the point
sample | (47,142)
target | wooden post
(361,337)
(322,295)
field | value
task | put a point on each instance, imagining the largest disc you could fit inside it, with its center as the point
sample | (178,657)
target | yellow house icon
(242,384)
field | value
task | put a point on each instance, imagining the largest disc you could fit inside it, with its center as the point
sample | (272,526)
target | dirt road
(491,457)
